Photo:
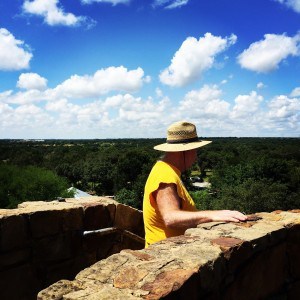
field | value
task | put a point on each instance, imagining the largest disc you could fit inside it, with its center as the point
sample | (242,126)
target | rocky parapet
(257,259)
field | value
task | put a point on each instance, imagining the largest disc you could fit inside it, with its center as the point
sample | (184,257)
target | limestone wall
(43,242)
(258,259)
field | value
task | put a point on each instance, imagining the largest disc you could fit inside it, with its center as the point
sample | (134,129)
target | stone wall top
(90,213)
(208,260)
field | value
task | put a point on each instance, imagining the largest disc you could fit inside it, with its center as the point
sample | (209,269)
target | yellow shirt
(155,229)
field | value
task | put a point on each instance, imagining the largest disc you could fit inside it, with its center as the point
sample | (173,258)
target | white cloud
(5,109)
(295,92)
(260,85)
(170,4)
(59,105)
(137,109)
(205,102)
(52,13)
(113,2)
(28,96)
(102,82)
(283,107)
(265,55)
(246,105)
(193,58)
(293,4)
(46,114)
(30,81)
(14,54)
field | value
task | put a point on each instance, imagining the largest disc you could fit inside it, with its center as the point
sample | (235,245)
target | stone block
(102,243)
(293,251)
(98,216)
(103,270)
(46,222)
(72,219)
(14,257)
(131,219)
(57,290)
(67,269)
(211,274)
(13,232)
(128,277)
(18,283)
(167,282)
(130,241)
(263,276)
(55,248)
(294,291)
(103,293)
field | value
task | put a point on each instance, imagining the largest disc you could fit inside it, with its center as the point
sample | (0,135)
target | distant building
(78,193)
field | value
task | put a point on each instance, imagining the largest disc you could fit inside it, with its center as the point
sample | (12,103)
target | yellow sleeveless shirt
(155,229)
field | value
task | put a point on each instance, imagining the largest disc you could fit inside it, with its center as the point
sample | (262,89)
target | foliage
(127,197)
(202,199)
(19,184)
(248,174)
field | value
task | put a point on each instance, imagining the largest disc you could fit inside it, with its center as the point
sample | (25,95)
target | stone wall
(43,242)
(257,259)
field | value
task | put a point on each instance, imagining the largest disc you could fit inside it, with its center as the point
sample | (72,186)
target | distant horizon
(125,68)
(150,138)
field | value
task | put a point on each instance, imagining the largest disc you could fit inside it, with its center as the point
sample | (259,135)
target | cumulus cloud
(205,102)
(138,109)
(293,4)
(193,58)
(102,82)
(52,13)
(265,55)
(14,54)
(28,96)
(44,113)
(283,107)
(112,79)
(246,105)
(170,4)
(33,81)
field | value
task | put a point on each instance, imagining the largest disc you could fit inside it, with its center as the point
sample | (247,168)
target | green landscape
(246,174)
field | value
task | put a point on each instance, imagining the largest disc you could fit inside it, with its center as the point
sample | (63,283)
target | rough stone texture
(44,242)
(130,220)
(258,259)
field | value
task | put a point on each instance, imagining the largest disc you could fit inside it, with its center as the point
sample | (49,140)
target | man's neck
(175,159)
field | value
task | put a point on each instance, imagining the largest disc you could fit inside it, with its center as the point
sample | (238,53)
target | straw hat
(181,136)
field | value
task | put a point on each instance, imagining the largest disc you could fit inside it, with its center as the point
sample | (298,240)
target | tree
(30,184)
(127,197)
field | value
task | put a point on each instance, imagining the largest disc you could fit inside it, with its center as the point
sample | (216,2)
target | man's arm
(169,203)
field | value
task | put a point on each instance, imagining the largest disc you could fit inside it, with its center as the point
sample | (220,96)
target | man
(168,209)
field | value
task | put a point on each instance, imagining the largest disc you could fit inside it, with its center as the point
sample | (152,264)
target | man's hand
(226,216)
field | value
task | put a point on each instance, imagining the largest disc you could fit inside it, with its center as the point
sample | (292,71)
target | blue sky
(129,68)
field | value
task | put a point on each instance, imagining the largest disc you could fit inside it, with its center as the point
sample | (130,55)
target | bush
(127,197)
(30,184)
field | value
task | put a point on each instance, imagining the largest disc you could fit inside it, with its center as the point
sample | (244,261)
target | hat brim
(181,147)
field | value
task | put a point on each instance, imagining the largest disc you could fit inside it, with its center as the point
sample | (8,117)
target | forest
(247,174)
